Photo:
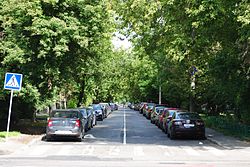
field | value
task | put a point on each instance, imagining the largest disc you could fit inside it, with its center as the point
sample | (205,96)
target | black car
(186,124)
(65,123)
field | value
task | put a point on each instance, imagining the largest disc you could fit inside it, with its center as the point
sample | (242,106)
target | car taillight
(49,123)
(78,123)
(199,123)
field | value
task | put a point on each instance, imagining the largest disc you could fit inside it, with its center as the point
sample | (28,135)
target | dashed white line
(124,127)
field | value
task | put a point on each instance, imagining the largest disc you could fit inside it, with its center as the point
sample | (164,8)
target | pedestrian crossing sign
(13,81)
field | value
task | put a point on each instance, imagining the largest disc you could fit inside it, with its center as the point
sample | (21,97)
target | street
(126,138)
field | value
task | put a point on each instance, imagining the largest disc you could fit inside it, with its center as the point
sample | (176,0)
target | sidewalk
(213,136)
(227,142)
(14,143)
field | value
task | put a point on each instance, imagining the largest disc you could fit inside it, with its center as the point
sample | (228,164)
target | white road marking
(65,150)
(215,151)
(124,128)
(138,151)
(114,150)
(39,151)
(165,150)
(191,151)
(88,150)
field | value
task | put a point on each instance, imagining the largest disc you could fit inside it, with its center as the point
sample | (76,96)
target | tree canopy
(196,51)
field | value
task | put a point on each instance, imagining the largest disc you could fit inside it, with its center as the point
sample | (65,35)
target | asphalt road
(126,138)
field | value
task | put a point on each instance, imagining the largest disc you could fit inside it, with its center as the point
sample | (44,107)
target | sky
(120,41)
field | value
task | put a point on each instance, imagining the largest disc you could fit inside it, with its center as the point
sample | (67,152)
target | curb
(216,142)
(6,150)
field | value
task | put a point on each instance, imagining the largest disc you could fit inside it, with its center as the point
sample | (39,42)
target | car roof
(69,109)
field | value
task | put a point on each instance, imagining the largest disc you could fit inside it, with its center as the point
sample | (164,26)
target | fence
(228,126)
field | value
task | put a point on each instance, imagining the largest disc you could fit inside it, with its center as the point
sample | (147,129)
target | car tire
(172,135)
(166,131)
(48,138)
(81,137)
(202,137)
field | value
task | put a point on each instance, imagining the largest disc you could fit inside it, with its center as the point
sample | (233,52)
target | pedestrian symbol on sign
(12,82)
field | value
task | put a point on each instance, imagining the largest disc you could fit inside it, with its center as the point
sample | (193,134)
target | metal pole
(8,125)
(160,94)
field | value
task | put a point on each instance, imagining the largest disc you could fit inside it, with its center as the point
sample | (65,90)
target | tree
(52,43)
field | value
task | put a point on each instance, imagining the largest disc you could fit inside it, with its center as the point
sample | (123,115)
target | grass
(11,134)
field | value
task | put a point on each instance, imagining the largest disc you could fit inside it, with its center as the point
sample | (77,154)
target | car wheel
(168,135)
(86,128)
(202,137)
(166,131)
(172,135)
(48,138)
(81,137)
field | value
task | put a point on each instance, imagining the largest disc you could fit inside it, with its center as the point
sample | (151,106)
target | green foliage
(53,44)
(63,48)
(72,103)
(213,36)
(11,134)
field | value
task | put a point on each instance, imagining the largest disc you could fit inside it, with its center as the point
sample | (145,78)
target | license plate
(60,132)
(188,125)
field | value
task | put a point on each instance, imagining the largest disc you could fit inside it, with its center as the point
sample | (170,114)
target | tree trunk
(82,92)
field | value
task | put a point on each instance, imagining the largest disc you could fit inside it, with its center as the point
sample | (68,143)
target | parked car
(158,117)
(65,123)
(93,113)
(137,106)
(168,116)
(149,109)
(113,106)
(146,107)
(142,107)
(159,122)
(106,108)
(99,111)
(155,113)
(88,118)
(186,124)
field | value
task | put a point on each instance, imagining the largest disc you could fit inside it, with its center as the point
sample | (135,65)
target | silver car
(65,123)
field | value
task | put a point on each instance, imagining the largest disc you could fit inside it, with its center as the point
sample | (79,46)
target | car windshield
(158,109)
(83,111)
(188,116)
(171,112)
(97,107)
(65,114)
(150,107)
(161,111)
(151,104)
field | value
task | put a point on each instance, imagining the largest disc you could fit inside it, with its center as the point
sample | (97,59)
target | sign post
(13,81)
